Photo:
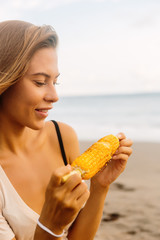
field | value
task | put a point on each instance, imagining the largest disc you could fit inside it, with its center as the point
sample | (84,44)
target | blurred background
(108,60)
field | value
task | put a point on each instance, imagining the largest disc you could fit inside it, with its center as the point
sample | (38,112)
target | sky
(105,46)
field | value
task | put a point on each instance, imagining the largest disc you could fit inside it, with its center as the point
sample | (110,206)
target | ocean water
(137,115)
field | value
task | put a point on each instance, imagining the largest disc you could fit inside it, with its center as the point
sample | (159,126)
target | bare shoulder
(69,138)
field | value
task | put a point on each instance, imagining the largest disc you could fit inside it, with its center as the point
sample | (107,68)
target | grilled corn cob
(94,158)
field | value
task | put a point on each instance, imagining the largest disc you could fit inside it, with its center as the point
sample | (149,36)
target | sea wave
(138,115)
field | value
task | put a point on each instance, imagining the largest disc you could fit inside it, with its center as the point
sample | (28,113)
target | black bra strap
(60,142)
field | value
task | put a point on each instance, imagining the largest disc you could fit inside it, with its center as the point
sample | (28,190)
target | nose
(51,94)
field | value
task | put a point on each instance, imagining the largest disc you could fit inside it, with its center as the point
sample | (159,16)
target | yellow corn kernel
(94,158)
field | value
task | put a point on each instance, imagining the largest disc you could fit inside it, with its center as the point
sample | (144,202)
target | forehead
(44,60)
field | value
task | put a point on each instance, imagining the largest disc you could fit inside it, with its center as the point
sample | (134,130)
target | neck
(12,136)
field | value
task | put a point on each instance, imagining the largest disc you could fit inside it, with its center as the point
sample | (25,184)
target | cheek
(28,98)
(31,96)
(22,98)
(21,101)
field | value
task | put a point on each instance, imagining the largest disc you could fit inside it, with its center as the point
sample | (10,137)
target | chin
(37,125)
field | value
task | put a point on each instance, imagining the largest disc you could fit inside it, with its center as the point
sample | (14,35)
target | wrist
(48,231)
(98,188)
(50,225)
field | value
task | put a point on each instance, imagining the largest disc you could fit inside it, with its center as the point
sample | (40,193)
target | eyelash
(43,83)
(40,83)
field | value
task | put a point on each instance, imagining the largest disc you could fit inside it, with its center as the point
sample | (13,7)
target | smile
(42,110)
(41,113)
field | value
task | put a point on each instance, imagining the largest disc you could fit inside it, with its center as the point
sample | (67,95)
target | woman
(32,162)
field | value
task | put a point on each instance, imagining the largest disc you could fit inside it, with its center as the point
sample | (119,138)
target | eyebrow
(44,74)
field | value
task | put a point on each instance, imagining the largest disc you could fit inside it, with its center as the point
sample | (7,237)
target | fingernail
(119,135)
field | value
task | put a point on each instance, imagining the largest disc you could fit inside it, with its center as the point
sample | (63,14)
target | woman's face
(28,101)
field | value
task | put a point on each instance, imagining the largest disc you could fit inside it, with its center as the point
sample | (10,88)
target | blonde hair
(19,40)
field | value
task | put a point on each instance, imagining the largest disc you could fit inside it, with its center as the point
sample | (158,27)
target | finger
(58,174)
(126,142)
(121,156)
(121,136)
(125,150)
(72,182)
(79,190)
(83,198)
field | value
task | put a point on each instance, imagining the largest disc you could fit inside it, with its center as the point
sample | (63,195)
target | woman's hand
(116,165)
(63,201)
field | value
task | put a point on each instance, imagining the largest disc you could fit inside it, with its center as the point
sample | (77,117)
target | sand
(132,206)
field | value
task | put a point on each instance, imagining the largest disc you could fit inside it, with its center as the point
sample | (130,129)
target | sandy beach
(132,206)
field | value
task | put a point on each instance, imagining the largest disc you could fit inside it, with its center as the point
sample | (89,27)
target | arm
(90,217)
(88,220)
(62,203)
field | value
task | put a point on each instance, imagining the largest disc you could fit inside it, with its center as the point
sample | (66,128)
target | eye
(38,83)
(56,83)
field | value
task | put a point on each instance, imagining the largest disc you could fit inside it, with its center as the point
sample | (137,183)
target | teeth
(45,111)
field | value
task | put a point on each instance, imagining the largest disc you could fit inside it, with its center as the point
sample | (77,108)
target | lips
(42,112)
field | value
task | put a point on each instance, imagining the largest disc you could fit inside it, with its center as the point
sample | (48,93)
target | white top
(16,218)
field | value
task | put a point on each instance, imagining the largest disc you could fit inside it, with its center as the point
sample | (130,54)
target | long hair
(19,40)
